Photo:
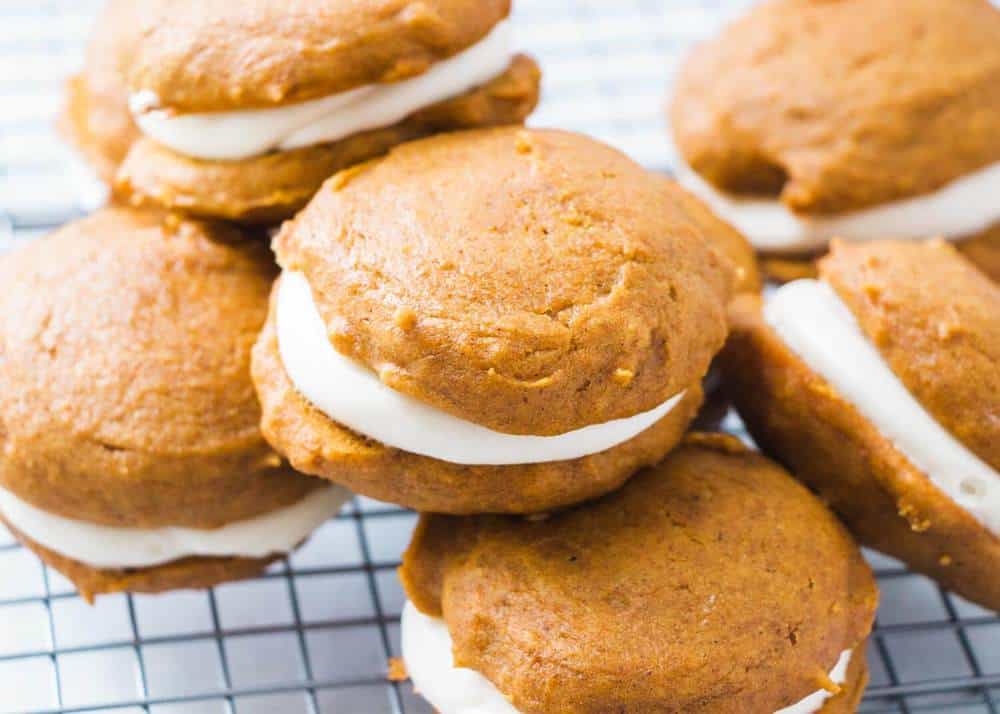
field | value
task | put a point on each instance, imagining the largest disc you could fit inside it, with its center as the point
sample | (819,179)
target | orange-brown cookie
(216,55)
(126,404)
(246,110)
(729,241)
(930,320)
(712,582)
(797,99)
(797,125)
(95,117)
(507,276)
(272,187)
(496,286)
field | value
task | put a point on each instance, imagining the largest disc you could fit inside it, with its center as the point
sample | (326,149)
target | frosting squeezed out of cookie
(101,546)
(427,651)
(961,208)
(353,395)
(246,133)
(817,326)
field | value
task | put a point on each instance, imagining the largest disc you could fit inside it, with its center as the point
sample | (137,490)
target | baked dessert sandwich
(246,108)
(712,582)
(131,457)
(500,320)
(879,386)
(798,124)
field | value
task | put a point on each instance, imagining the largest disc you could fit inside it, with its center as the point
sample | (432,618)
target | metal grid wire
(315,632)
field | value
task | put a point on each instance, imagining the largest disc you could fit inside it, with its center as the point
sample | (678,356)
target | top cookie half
(217,55)
(530,281)
(838,106)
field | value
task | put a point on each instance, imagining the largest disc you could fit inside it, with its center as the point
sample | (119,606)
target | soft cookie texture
(710,583)
(801,98)
(933,318)
(271,187)
(95,117)
(216,55)
(726,239)
(937,324)
(125,392)
(513,278)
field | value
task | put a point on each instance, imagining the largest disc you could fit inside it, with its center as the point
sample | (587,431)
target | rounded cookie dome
(713,582)
(530,281)
(125,390)
(214,55)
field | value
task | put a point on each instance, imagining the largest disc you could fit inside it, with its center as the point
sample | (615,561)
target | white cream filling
(102,546)
(427,652)
(965,206)
(241,134)
(815,324)
(815,701)
(354,396)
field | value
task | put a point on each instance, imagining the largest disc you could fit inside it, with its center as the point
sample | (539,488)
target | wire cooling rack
(314,634)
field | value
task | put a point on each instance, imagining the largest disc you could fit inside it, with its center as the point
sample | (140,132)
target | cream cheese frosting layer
(353,395)
(427,652)
(242,134)
(963,207)
(100,546)
(815,324)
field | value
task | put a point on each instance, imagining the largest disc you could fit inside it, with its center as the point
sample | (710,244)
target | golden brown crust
(800,98)
(678,593)
(95,116)
(797,417)
(270,188)
(729,241)
(983,249)
(547,281)
(125,391)
(317,445)
(186,574)
(935,319)
(214,55)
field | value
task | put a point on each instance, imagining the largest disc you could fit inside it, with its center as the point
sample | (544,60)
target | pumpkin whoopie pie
(879,386)
(130,452)
(246,108)
(498,320)
(799,124)
(712,582)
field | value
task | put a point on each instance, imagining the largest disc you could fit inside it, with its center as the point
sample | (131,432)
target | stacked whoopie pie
(800,123)
(130,451)
(241,110)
